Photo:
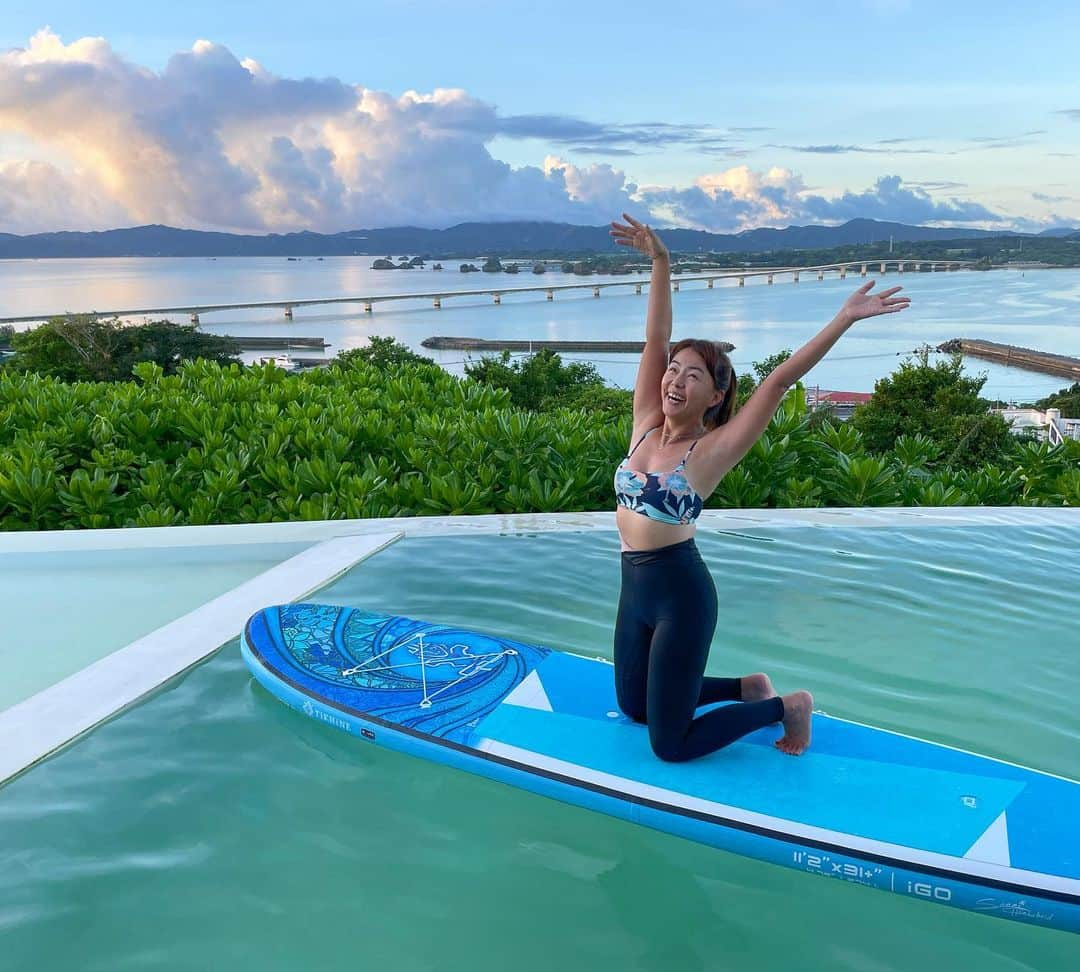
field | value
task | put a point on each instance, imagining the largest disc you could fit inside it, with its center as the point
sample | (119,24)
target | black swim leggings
(667,614)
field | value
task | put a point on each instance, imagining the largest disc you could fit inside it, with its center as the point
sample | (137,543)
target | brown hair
(723,376)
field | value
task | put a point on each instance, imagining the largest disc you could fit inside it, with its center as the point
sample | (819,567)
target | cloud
(734,199)
(601,188)
(170,147)
(1005,141)
(937,186)
(1023,224)
(741,198)
(842,149)
(1073,114)
(565,130)
(973,144)
(36,195)
(1043,197)
(214,141)
(891,200)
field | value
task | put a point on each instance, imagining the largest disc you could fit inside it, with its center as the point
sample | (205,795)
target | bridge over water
(196,311)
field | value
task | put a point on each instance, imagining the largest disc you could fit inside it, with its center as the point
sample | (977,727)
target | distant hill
(463,240)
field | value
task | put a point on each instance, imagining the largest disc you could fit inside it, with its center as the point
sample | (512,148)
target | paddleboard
(862,805)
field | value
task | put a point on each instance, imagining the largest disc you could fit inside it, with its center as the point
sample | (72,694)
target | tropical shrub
(939,402)
(1066,400)
(84,348)
(225,444)
(541,382)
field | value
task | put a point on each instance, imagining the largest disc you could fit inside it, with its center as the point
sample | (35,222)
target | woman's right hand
(639,236)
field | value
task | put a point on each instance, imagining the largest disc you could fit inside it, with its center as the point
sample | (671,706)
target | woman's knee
(667,745)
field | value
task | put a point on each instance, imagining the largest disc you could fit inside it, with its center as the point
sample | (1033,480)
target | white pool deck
(34,728)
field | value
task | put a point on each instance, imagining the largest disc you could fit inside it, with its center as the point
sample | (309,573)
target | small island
(387,263)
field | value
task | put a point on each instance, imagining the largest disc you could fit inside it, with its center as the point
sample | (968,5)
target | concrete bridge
(195,311)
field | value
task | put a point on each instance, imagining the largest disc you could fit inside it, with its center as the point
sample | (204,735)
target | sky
(282,116)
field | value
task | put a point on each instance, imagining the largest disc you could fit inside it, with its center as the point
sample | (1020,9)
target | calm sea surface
(1037,309)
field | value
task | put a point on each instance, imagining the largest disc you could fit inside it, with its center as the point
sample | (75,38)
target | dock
(481,344)
(251,343)
(1013,356)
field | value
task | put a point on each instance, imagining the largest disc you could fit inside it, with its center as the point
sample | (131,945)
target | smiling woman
(668,604)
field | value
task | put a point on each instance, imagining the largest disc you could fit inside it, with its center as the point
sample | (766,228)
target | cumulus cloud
(214,141)
(34,195)
(601,187)
(170,147)
(891,200)
(734,199)
(740,198)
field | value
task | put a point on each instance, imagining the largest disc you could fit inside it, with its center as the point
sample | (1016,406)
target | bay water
(1031,308)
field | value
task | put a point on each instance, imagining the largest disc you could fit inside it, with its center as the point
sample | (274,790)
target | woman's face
(687,388)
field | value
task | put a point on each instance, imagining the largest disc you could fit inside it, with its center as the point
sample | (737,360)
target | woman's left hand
(863,304)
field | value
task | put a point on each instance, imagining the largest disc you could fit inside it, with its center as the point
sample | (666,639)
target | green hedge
(217,444)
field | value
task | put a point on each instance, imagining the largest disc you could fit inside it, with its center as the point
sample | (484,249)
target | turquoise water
(67,608)
(211,827)
(1037,309)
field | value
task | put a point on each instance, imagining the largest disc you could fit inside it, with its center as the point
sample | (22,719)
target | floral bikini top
(666,497)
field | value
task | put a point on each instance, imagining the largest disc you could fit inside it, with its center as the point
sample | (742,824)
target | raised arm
(735,439)
(654,357)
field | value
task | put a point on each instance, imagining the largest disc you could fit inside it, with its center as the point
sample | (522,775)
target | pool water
(65,609)
(212,827)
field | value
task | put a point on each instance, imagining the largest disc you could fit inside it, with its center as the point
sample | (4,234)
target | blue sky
(430,112)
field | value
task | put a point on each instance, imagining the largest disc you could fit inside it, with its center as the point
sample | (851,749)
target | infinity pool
(211,827)
(64,609)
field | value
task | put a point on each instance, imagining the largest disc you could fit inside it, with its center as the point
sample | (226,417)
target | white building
(1049,425)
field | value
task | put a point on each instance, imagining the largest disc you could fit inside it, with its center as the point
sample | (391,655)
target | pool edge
(53,718)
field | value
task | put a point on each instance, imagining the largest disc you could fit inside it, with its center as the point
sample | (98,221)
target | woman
(685,427)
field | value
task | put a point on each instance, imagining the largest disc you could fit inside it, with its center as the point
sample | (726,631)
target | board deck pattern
(864,805)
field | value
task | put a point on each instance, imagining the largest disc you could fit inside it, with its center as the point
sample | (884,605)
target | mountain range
(463,240)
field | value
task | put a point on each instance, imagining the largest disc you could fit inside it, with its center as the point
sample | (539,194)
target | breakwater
(253,343)
(1014,356)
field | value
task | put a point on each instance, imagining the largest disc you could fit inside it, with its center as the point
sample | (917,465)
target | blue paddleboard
(863,805)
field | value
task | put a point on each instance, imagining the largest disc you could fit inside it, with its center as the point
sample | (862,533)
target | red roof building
(840,403)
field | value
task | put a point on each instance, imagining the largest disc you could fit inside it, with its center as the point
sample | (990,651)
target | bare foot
(754,688)
(798,709)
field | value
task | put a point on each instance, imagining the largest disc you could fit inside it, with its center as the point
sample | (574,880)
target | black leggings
(667,614)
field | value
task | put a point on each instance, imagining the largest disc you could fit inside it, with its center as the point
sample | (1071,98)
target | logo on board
(317,712)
